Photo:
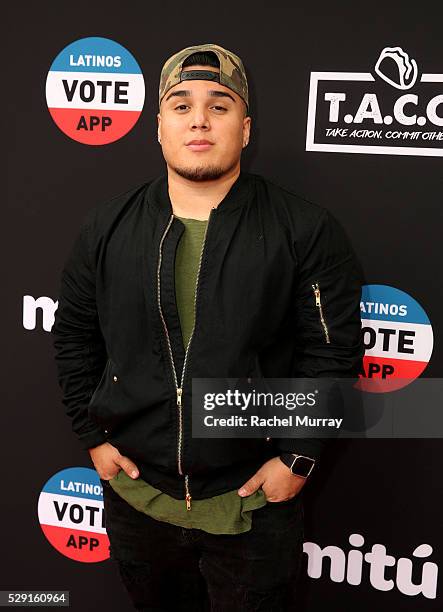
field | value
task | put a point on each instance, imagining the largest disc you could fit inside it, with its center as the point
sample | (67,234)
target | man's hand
(108,462)
(276,480)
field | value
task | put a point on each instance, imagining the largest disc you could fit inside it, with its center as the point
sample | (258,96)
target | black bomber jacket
(277,295)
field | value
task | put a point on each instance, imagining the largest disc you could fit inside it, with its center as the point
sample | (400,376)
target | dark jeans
(167,567)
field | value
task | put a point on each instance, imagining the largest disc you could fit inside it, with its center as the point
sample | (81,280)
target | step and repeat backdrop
(347,110)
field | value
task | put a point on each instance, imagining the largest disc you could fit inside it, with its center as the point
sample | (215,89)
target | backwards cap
(232,72)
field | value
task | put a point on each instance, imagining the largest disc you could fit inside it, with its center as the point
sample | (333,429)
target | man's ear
(246,130)
(158,127)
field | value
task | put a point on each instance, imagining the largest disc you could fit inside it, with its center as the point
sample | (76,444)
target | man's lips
(199,145)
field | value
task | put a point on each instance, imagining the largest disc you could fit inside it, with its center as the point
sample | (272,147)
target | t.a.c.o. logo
(95,90)
(398,338)
(70,511)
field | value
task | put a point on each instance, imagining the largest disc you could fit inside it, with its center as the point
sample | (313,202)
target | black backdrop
(389,491)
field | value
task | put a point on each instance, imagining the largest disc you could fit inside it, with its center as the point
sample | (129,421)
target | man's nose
(199,119)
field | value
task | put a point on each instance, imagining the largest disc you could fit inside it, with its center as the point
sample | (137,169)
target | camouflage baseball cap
(232,72)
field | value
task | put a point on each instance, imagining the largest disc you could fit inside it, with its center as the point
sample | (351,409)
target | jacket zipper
(179,388)
(316,289)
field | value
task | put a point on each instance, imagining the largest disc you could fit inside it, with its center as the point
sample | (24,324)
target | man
(205,272)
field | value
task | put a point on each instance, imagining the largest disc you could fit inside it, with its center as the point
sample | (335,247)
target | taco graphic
(396,68)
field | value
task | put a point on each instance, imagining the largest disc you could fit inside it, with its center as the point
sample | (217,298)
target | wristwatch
(300,465)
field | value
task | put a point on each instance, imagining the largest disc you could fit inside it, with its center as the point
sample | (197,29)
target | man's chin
(201,173)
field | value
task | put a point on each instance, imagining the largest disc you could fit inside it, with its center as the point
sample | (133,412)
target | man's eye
(217,107)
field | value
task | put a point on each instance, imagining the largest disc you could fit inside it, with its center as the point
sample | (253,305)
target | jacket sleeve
(328,338)
(80,352)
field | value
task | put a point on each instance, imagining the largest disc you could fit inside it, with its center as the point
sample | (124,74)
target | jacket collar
(157,194)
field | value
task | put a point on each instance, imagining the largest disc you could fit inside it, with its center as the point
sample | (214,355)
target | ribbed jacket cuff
(92,438)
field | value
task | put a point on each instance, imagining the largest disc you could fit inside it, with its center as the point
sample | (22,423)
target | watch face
(302,466)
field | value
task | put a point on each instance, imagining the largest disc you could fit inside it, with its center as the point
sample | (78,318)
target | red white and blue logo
(71,515)
(95,91)
(398,338)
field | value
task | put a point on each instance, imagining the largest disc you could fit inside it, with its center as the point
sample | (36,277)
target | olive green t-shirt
(225,513)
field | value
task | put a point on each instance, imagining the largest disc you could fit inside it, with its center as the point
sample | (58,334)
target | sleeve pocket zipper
(316,289)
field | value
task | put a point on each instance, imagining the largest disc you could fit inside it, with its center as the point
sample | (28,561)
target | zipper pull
(188,497)
(188,501)
(179,396)
(317,294)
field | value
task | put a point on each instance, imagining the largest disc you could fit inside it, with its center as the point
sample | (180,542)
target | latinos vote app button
(95,91)
(70,511)
(398,338)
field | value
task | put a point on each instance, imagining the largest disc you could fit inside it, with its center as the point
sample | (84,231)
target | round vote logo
(95,91)
(70,511)
(398,338)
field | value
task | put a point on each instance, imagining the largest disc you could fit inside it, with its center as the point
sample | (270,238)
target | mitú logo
(398,338)
(38,313)
(412,577)
(391,111)
(95,91)
(71,515)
